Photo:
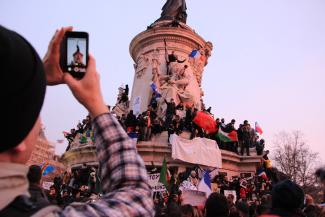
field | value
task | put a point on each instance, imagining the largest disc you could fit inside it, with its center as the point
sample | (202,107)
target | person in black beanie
(24,78)
(287,200)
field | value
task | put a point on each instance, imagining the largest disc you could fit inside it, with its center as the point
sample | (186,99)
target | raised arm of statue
(183,81)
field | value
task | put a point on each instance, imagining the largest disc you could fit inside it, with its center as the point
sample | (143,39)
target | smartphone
(74,53)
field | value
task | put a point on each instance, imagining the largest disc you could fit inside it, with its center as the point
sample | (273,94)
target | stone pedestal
(76,157)
(149,50)
(154,152)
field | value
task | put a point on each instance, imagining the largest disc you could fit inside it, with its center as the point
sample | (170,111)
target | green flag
(164,175)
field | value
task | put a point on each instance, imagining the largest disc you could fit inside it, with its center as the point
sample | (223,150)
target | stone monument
(162,56)
(171,55)
(169,59)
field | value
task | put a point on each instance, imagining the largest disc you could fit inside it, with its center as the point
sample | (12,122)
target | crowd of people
(80,185)
(252,196)
(82,127)
(179,118)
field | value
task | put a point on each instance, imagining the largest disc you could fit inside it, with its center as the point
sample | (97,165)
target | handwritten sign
(154,183)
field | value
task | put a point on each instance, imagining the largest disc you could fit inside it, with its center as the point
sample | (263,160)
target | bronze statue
(174,10)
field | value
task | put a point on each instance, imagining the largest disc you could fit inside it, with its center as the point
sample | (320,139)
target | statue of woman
(174,10)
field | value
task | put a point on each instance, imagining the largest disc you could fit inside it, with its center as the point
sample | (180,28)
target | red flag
(206,122)
(258,128)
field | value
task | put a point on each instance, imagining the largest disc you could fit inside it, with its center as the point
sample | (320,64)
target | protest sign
(154,183)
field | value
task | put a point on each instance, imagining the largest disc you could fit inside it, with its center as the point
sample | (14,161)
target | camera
(74,53)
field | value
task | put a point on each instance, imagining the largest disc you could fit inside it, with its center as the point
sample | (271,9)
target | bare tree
(294,157)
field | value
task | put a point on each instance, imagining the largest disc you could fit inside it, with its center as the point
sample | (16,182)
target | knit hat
(287,195)
(22,88)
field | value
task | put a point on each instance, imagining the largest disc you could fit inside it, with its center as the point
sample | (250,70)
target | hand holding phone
(87,90)
(74,53)
(51,60)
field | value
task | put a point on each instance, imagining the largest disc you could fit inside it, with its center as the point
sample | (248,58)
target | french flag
(258,128)
(261,173)
(205,184)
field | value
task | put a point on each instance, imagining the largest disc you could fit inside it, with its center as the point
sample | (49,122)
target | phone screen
(76,55)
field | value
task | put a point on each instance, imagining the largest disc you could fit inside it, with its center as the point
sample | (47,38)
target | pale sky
(268,62)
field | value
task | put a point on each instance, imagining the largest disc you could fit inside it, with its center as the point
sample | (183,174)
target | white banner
(194,198)
(186,185)
(136,105)
(199,151)
(154,183)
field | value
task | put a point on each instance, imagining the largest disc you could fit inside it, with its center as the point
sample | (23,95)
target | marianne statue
(174,10)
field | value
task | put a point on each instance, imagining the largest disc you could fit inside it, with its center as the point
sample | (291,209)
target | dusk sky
(267,65)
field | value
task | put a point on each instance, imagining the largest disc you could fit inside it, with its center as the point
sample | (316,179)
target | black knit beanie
(287,195)
(22,88)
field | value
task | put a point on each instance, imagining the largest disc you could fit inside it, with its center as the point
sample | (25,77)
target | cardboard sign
(194,198)
(154,183)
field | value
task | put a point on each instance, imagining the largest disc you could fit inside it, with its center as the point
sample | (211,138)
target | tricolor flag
(205,184)
(227,137)
(261,173)
(258,128)
(164,175)
(195,54)
(154,89)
